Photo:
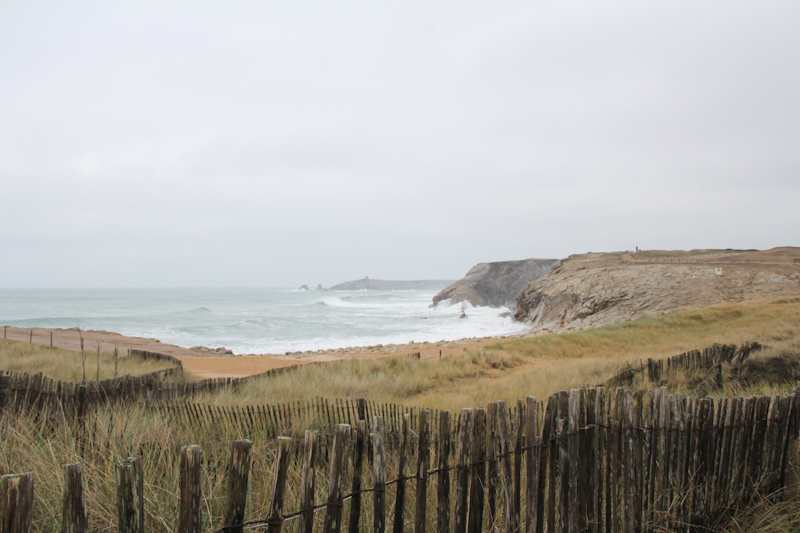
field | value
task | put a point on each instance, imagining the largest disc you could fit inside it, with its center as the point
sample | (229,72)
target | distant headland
(389,285)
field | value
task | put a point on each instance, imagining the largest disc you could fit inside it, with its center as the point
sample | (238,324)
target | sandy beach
(206,365)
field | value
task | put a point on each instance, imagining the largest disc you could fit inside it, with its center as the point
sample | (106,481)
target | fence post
(128,501)
(519,443)
(423,463)
(307,484)
(532,494)
(238,475)
(16,503)
(379,482)
(73,510)
(338,465)
(138,475)
(631,488)
(190,519)
(550,434)
(400,495)
(463,470)
(360,434)
(564,462)
(492,474)
(512,521)
(443,480)
(478,475)
(281,468)
(573,447)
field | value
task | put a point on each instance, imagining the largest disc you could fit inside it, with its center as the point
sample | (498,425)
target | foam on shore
(257,321)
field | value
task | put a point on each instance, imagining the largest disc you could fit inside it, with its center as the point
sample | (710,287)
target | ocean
(256,321)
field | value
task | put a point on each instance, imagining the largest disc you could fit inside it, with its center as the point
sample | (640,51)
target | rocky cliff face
(598,289)
(495,284)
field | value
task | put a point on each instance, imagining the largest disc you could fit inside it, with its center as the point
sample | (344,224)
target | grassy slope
(529,366)
(66,365)
(511,369)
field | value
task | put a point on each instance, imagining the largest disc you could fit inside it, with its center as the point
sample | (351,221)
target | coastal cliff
(388,285)
(606,288)
(495,284)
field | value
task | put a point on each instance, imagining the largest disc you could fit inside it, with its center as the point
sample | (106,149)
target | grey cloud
(280,143)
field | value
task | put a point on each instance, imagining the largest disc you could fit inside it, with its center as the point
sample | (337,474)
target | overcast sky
(216,144)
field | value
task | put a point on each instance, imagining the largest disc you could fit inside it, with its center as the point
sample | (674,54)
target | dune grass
(69,366)
(112,434)
(535,366)
(508,370)
(772,323)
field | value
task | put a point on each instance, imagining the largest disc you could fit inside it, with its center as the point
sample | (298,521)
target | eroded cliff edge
(605,288)
(495,284)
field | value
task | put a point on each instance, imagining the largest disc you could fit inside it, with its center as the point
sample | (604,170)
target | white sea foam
(256,320)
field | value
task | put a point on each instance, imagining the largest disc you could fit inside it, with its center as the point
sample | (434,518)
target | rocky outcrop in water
(495,284)
(598,289)
(388,285)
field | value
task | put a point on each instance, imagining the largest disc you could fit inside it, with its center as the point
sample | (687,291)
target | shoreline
(205,364)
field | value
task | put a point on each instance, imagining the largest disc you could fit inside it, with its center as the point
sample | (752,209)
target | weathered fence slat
(478,474)
(443,476)
(492,473)
(129,511)
(400,494)
(190,518)
(359,438)
(337,468)
(423,463)
(16,503)
(238,476)
(73,512)
(532,493)
(505,461)
(307,482)
(379,477)
(279,472)
(463,471)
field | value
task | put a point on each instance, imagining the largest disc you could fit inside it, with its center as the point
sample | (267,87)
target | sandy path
(204,365)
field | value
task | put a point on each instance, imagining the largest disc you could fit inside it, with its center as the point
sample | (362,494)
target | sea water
(256,321)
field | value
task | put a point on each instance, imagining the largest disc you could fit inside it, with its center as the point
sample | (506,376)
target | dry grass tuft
(67,365)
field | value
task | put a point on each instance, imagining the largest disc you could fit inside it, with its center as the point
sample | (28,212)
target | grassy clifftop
(607,288)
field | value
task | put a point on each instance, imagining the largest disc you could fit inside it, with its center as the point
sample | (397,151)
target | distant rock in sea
(387,285)
(320,287)
(496,284)
(304,288)
(216,351)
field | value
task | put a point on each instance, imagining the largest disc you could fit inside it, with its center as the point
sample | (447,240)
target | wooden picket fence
(709,358)
(583,460)
(273,420)
(22,392)
(283,419)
